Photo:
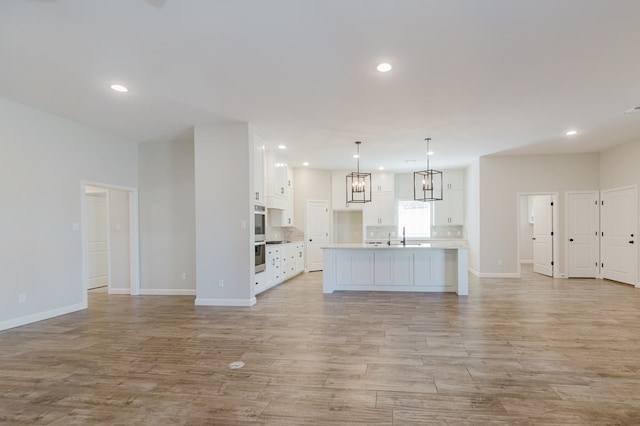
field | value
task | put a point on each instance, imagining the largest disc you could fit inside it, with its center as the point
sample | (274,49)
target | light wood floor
(533,351)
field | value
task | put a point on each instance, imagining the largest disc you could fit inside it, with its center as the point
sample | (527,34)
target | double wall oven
(260,230)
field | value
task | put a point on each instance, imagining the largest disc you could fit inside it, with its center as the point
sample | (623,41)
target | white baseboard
(167,292)
(119,291)
(40,316)
(526,261)
(225,302)
(473,272)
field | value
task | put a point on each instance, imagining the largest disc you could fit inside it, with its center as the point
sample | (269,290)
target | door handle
(570,239)
(310,240)
(533,238)
(631,242)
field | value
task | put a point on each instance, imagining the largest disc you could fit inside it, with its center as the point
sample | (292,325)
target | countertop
(384,246)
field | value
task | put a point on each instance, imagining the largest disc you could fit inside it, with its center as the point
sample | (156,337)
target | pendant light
(358,188)
(427,184)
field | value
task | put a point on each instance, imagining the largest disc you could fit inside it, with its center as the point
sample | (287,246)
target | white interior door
(582,234)
(98,245)
(317,233)
(619,235)
(542,235)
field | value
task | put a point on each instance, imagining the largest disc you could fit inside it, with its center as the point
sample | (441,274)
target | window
(415,217)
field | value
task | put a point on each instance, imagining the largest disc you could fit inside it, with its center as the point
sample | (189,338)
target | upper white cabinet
(382,182)
(381,211)
(258,171)
(453,180)
(450,211)
(279,180)
(279,190)
(339,192)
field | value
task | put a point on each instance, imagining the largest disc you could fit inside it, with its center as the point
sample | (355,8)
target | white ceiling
(479,77)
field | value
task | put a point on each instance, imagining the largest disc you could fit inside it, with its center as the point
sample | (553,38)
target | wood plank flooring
(530,351)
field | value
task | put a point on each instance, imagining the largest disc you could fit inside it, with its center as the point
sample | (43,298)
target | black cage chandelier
(427,184)
(358,186)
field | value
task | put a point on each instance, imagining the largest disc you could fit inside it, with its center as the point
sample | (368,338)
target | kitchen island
(430,267)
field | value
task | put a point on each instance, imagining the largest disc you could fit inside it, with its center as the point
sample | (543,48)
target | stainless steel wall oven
(261,256)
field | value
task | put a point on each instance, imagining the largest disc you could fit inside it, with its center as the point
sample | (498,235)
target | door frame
(597,193)
(134,241)
(556,231)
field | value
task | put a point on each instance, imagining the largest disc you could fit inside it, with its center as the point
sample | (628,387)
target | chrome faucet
(404,239)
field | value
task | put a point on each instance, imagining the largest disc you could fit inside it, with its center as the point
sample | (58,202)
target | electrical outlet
(220,283)
(22,297)
(499,262)
(184,275)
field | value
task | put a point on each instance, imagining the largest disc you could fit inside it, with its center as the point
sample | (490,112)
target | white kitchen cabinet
(453,180)
(273,266)
(382,182)
(258,172)
(381,211)
(393,268)
(286,264)
(282,217)
(431,268)
(260,280)
(277,177)
(355,268)
(283,261)
(299,257)
(339,192)
(449,211)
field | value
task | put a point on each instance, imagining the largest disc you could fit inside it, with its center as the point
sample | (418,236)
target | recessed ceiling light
(119,88)
(571,133)
(356,156)
(282,147)
(430,152)
(380,168)
(305,163)
(384,67)
(409,161)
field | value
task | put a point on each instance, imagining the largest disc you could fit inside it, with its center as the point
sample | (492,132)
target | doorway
(110,238)
(537,232)
(97,226)
(317,233)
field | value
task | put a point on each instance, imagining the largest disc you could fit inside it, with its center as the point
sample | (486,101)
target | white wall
(44,159)
(472,214)
(503,177)
(167,216)
(224,214)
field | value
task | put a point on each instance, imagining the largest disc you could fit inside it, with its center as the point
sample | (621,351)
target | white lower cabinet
(283,261)
(273,266)
(433,267)
(356,268)
(393,269)
(403,268)
(299,258)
